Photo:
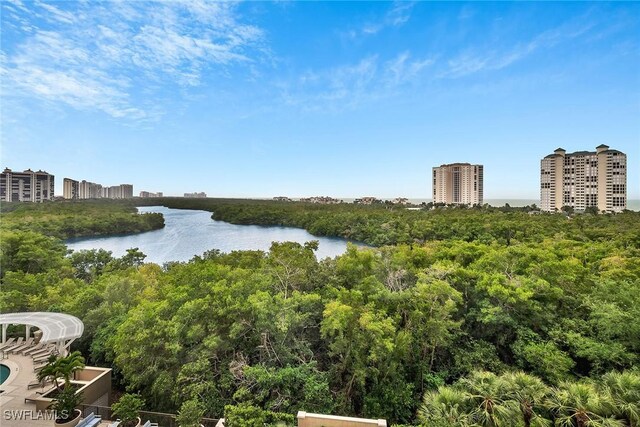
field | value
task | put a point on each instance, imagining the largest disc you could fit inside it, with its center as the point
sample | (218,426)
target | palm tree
(486,392)
(69,365)
(50,371)
(580,404)
(67,399)
(622,389)
(527,393)
(61,367)
(447,407)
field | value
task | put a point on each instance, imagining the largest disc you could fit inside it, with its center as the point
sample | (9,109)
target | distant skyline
(344,99)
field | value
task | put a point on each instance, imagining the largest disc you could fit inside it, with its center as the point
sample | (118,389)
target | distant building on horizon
(458,184)
(367,200)
(321,200)
(70,189)
(91,190)
(146,194)
(81,190)
(401,201)
(282,199)
(27,186)
(584,179)
(200,195)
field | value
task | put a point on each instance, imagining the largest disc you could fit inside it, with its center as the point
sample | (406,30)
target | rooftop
(54,326)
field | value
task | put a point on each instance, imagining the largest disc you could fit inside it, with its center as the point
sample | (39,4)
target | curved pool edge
(14,369)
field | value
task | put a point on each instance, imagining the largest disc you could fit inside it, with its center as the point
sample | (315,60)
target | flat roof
(54,326)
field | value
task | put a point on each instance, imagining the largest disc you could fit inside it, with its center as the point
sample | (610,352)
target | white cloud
(100,56)
(403,69)
(398,15)
(55,14)
(350,85)
(476,60)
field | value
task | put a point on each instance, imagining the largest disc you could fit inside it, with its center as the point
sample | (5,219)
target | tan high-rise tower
(70,189)
(584,179)
(458,183)
(27,186)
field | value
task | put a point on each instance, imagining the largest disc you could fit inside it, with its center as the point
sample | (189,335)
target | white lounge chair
(33,349)
(10,342)
(43,354)
(24,345)
(33,397)
(15,345)
(36,383)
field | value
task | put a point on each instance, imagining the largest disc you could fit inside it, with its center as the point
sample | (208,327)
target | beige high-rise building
(458,183)
(70,189)
(27,186)
(73,189)
(89,190)
(584,179)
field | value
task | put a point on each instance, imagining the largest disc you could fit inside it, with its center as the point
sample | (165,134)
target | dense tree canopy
(443,329)
(66,219)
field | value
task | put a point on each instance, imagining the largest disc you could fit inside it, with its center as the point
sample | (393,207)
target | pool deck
(14,412)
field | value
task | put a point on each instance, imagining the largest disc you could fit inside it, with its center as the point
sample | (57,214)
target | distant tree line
(380,225)
(66,219)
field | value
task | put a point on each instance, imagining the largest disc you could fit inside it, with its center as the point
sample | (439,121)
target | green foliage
(29,252)
(622,391)
(61,367)
(485,399)
(190,414)
(66,399)
(66,219)
(244,415)
(90,264)
(371,333)
(286,389)
(383,224)
(127,408)
(133,258)
(65,404)
(545,359)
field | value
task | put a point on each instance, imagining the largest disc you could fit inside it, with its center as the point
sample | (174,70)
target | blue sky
(315,98)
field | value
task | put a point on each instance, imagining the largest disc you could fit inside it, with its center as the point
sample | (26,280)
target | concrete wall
(99,384)
(95,386)
(306,419)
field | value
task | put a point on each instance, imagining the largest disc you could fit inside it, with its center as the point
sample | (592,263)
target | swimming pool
(4,373)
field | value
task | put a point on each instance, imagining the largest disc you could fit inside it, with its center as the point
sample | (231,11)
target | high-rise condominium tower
(27,186)
(70,189)
(584,179)
(458,183)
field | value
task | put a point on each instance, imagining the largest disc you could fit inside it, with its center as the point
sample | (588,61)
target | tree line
(380,225)
(69,218)
(413,333)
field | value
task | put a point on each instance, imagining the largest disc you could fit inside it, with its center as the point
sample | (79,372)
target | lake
(190,232)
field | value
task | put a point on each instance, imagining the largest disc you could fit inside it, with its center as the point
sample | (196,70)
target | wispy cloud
(101,57)
(474,60)
(55,14)
(403,68)
(398,15)
(351,85)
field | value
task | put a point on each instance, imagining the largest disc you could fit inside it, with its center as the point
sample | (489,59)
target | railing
(160,418)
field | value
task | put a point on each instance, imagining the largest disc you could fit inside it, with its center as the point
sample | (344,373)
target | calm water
(189,232)
(4,373)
